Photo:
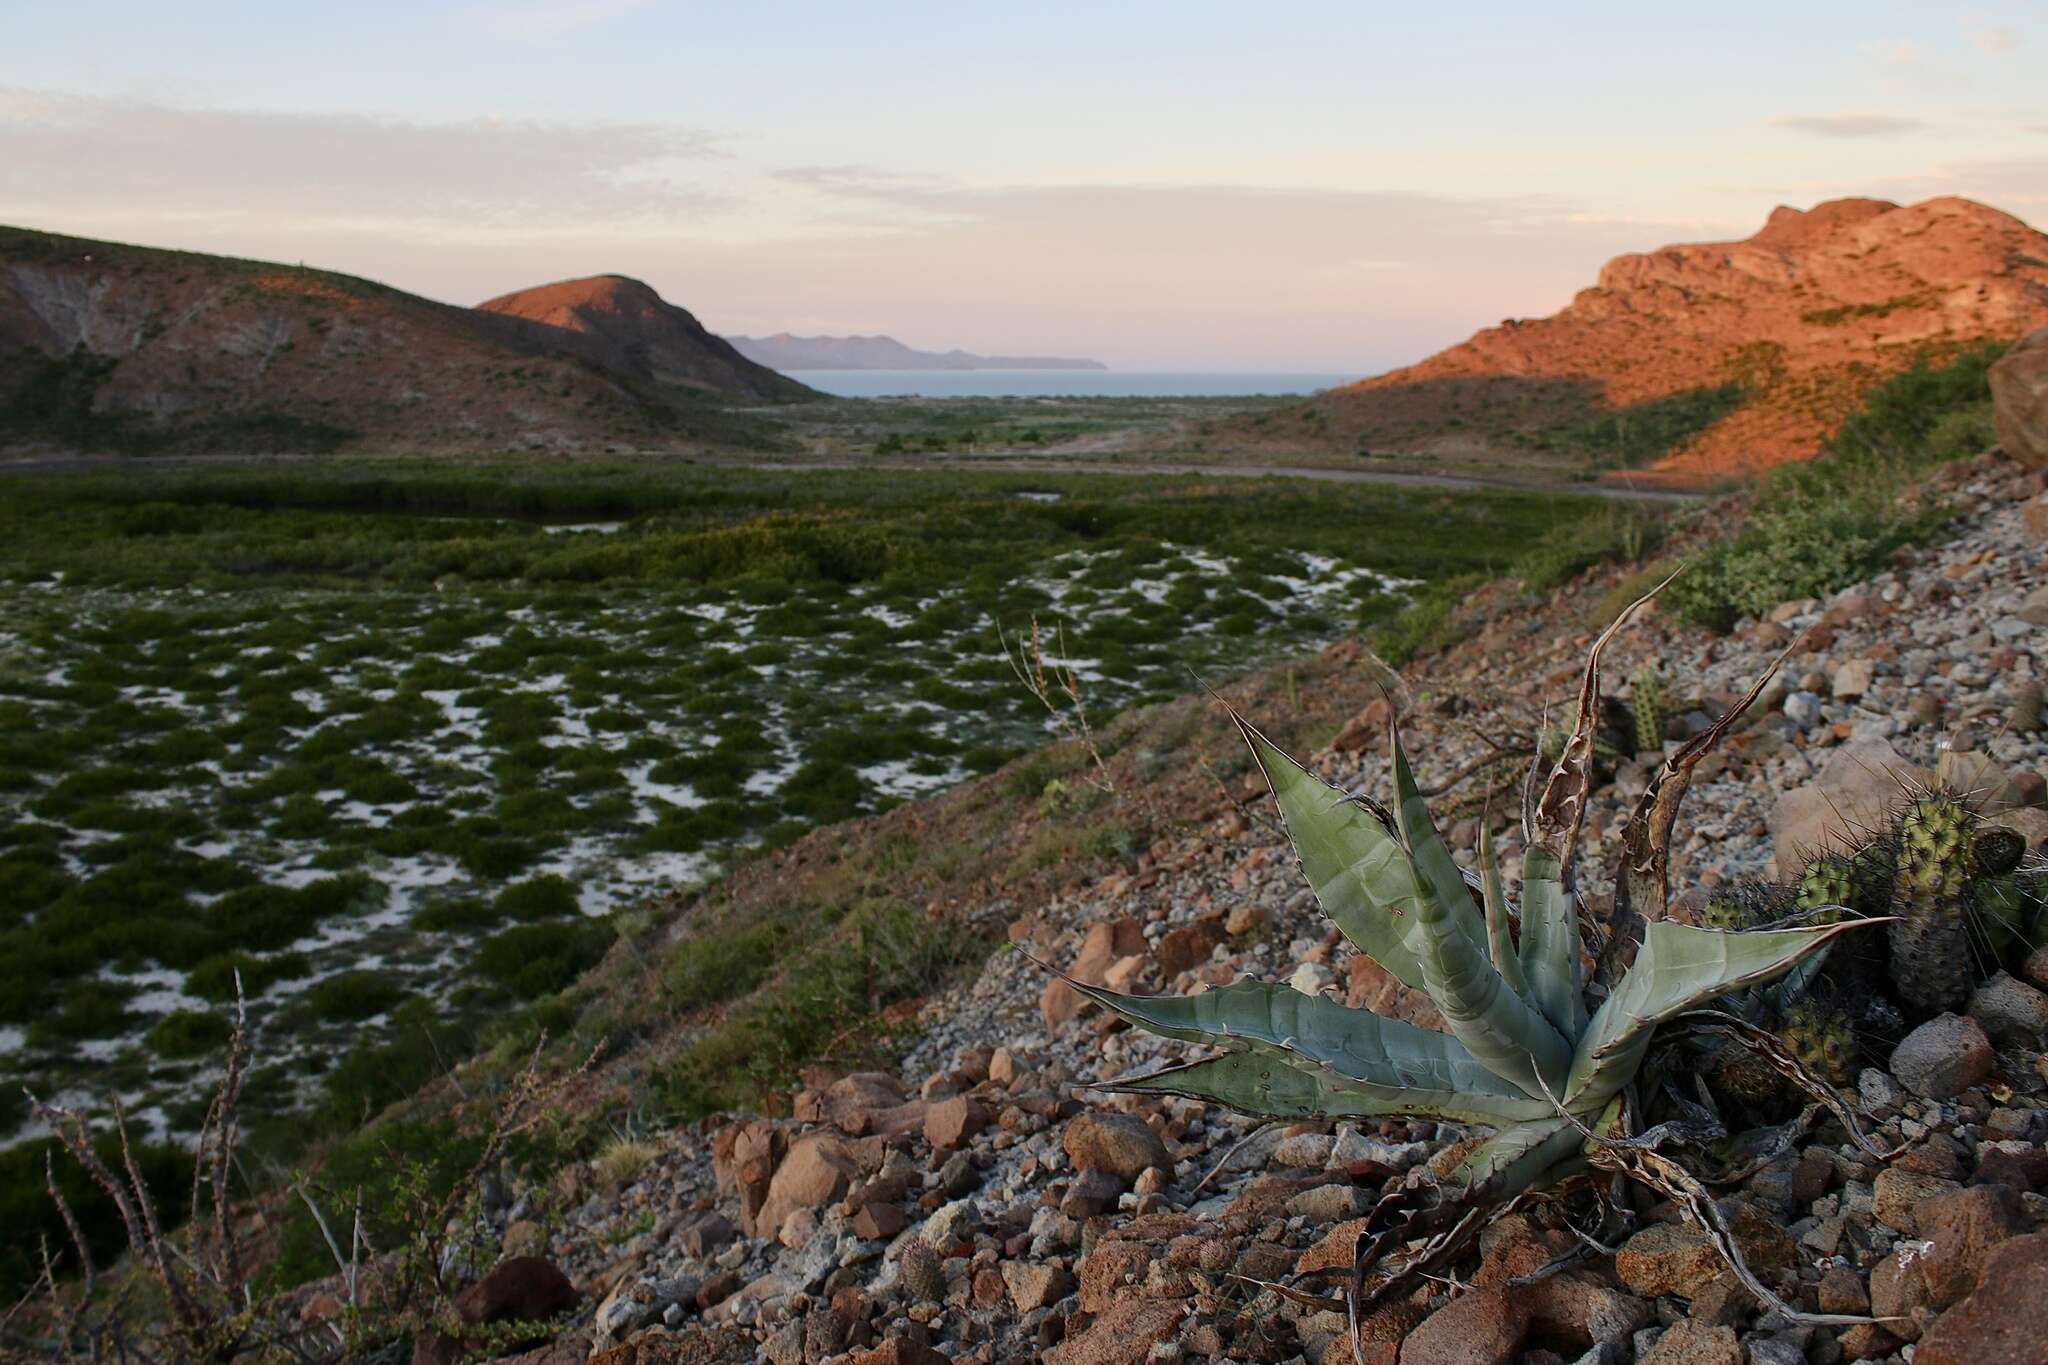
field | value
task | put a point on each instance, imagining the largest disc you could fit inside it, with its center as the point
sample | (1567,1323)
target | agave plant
(1547,1028)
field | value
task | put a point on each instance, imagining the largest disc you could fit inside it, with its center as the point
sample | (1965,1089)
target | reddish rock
(1117,1143)
(1687,1342)
(1369,986)
(1188,946)
(743,1161)
(2019,400)
(1113,1271)
(1962,1228)
(692,1345)
(954,1122)
(2006,1321)
(897,1351)
(1106,943)
(1122,1335)
(1034,1286)
(1366,730)
(876,1221)
(1481,1325)
(819,1169)
(522,1289)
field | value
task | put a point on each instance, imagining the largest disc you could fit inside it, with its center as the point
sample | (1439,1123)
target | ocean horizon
(1068,383)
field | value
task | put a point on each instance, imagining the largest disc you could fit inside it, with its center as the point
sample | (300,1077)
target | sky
(1329,187)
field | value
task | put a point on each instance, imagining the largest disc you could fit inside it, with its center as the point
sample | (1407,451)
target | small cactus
(923,1277)
(1829,884)
(1933,967)
(1736,906)
(1998,851)
(1646,694)
(1822,1038)
(2026,708)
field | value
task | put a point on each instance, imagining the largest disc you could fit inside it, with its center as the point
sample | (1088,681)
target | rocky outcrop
(112,347)
(2019,400)
(1805,315)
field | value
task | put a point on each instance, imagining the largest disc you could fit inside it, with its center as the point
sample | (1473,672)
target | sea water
(1065,383)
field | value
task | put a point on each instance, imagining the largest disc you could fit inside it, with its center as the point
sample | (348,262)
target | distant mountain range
(105,346)
(785,352)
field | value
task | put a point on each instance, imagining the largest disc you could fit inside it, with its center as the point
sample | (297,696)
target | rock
(1668,1258)
(743,1161)
(1035,1286)
(2019,400)
(1854,791)
(1248,918)
(818,1170)
(1107,942)
(525,1238)
(1365,730)
(1305,1151)
(1898,1285)
(1005,1065)
(1943,1057)
(1852,679)
(1896,1195)
(954,1122)
(1803,709)
(691,1346)
(1312,978)
(519,1289)
(1187,947)
(705,1235)
(1331,1203)
(1122,1335)
(1483,1324)
(1092,1192)
(950,1225)
(1842,1291)
(1962,1227)
(1867,1341)
(1369,986)
(897,1351)
(1687,1342)
(1117,1143)
(2006,1321)
(2010,1011)
(875,1222)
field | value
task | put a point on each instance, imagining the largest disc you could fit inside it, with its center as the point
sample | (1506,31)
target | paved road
(1018,464)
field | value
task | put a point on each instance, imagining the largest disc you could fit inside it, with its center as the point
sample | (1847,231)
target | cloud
(1846,125)
(1897,55)
(1997,40)
(95,159)
(538,20)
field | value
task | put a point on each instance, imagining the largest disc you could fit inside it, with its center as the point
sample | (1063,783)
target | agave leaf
(1355,865)
(1508,1035)
(1268,1085)
(1313,1031)
(1432,861)
(1678,968)
(1514,1159)
(1550,944)
(1499,946)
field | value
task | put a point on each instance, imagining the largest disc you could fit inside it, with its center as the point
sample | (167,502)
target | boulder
(1688,1342)
(1188,946)
(1116,1143)
(1122,1335)
(2006,1321)
(2010,1011)
(2019,400)
(818,1170)
(954,1122)
(743,1161)
(1897,1194)
(1034,1286)
(1943,1057)
(520,1289)
(1854,791)
(1483,1324)
(1962,1228)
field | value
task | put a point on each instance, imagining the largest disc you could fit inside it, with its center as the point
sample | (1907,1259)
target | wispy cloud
(1846,125)
(1997,40)
(536,20)
(94,156)
(1902,54)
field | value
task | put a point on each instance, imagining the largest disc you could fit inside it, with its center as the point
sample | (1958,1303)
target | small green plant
(1529,1049)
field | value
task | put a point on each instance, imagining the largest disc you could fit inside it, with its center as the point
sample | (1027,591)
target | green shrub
(214,978)
(540,959)
(189,1033)
(353,995)
(725,963)
(548,897)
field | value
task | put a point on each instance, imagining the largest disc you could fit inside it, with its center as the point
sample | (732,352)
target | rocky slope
(635,331)
(976,1202)
(1805,315)
(111,347)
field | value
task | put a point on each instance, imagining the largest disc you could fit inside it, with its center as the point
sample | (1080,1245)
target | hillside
(637,332)
(786,352)
(108,347)
(1713,359)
